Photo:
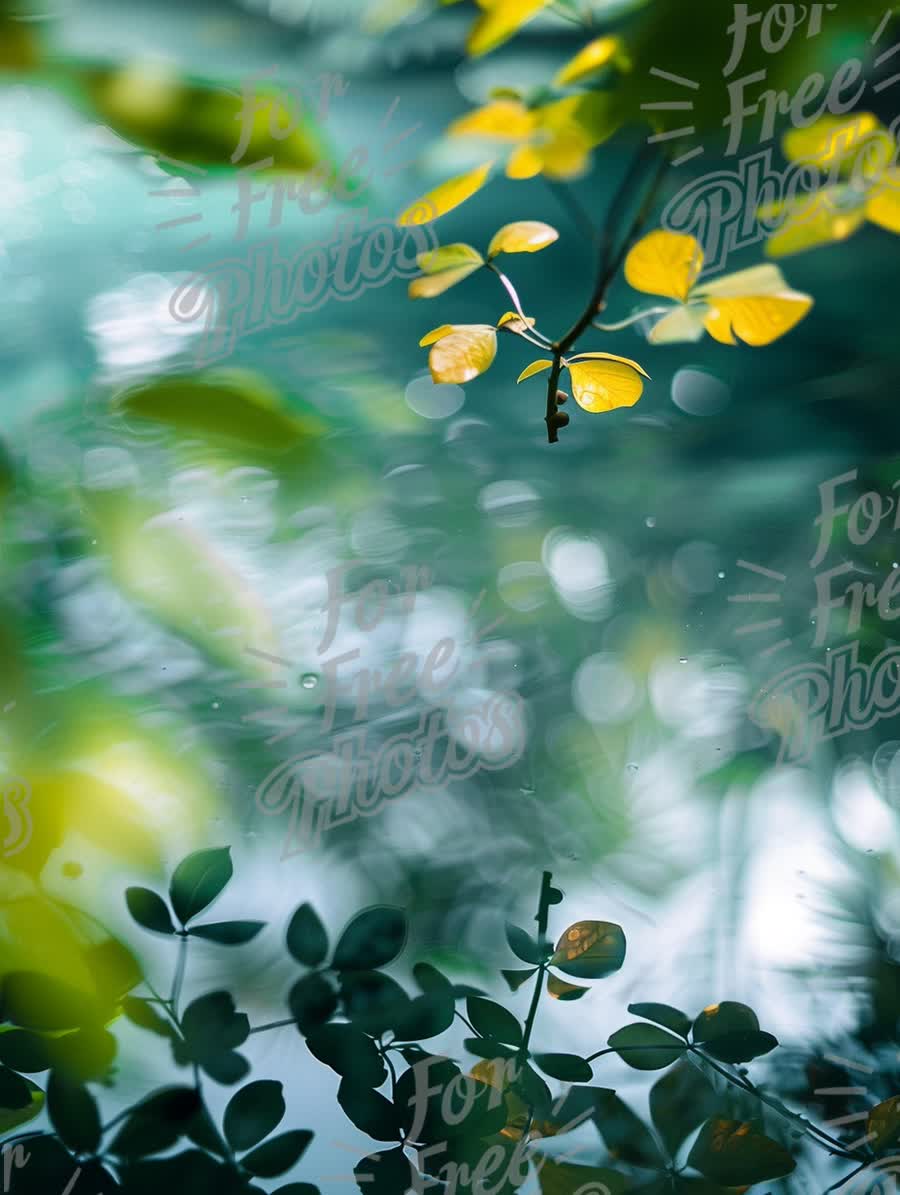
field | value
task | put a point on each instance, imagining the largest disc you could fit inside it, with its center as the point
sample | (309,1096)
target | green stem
(179,973)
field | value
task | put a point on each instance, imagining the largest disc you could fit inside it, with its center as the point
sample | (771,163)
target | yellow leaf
(464,353)
(535,367)
(605,385)
(681,325)
(592,58)
(560,990)
(513,317)
(664,263)
(525,162)
(610,357)
(822,220)
(446,197)
(524,236)
(448,257)
(883,204)
(765,279)
(504,119)
(831,138)
(435,334)
(431,285)
(757,320)
(500,22)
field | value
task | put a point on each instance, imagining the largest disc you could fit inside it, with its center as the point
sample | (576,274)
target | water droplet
(631,767)
(527,790)
(650,521)
(309,680)
(215,705)
(721,576)
(682,660)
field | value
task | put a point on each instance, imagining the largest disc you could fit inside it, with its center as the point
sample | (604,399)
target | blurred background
(169,526)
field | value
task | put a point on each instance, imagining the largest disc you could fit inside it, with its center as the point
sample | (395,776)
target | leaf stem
(273,1025)
(517,303)
(632,319)
(179,973)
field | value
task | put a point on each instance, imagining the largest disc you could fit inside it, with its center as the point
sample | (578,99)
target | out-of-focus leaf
(279,1154)
(23,1051)
(664,263)
(11,1118)
(253,1112)
(445,197)
(228,933)
(567,1178)
(74,1114)
(625,1134)
(679,1101)
(14,1091)
(500,20)
(883,1125)
(588,61)
(156,1123)
(312,1002)
(307,939)
(370,1111)
(382,1173)
(139,1012)
(348,1051)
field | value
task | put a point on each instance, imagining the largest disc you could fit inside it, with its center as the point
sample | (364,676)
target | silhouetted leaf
(493,1020)
(142,1013)
(348,1051)
(204,1133)
(735,1155)
(741,1047)
(644,1046)
(515,979)
(568,1068)
(83,1055)
(385,1173)
(74,1114)
(307,939)
(533,1090)
(373,1001)
(488,1047)
(883,1125)
(228,933)
(149,910)
(198,880)
(23,1051)
(252,1113)
(312,1001)
(625,1134)
(12,1118)
(298,1189)
(373,938)
(663,1014)
(156,1123)
(49,1168)
(590,949)
(212,1030)
(679,1101)
(370,1111)
(524,946)
(567,1178)
(730,1032)
(14,1091)
(192,1170)
(279,1154)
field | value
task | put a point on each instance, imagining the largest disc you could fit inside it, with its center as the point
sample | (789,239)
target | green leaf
(307,939)
(74,1114)
(625,1134)
(348,1051)
(524,946)
(149,910)
(228,933)
(83,1055)
(730,1032)
(212,1030)
(370,1111)
(679,1102)
(11,1118)
(515,979)
(156,1123)
(372,939)
(312,1001)
(278,1155)
(298,1189)
(143,1014)
(568,1068)
(198,880)
(23,1051)
(735,1155)
(383,1173)
(663,1014)
(741,1047)
(883,1125)
(373,1001)
(14,1091)
(488,1047)
(448,257)
(567,1178)
(493,1020)
(590,949)
(252,1113)
(37,1001)
(644,1047)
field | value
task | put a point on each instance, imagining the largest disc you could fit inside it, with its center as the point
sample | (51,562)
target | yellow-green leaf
(664,263)
(535,367)
(883,203)
(431,285)
(766,279)
(756,320)
(884,1125)
(567,1178)
(809,223)
(524,236)
(831,138)
(463,353)
(448,257)
(501,20)
(682,325)
(503,119)
(447,196)
(590,949)
(592,58)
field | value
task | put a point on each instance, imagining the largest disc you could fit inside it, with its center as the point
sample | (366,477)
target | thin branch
(179,973)
(517,303)
(273,1025)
